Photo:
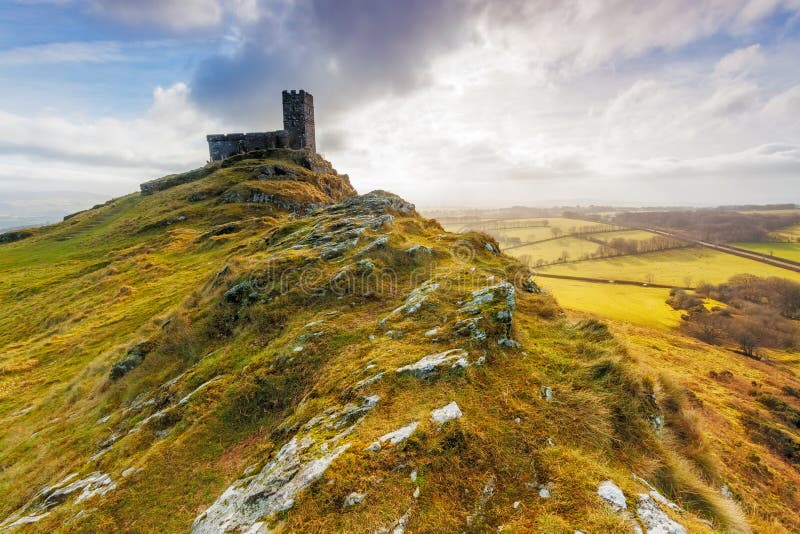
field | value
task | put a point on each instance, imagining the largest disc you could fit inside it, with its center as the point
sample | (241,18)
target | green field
(789,251)
(553,249)
(679,267)
(641,305)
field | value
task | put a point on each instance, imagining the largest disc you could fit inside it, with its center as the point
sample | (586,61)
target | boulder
(132,360)
(399,435)
(446,413)
(611,493)
(654,519)
(431,364)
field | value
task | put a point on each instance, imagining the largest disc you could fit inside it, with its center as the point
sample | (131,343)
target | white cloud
(785,104)
(547,102)
(179,15)
(69,52)
(740,62)
(116,154)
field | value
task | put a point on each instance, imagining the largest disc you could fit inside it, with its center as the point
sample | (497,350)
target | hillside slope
(252,347)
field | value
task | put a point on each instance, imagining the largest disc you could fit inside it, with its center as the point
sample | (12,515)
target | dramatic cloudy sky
(446,102)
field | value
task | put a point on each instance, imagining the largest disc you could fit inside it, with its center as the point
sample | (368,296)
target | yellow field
(564,224)
(679,267)
(638,235)
(789,251)
(553,249)
(526,235)
(641,305)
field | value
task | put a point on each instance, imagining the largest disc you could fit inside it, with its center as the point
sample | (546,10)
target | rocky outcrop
(399,435)
(50,497)
(16,235)
(131,361)
(250,502)
(654,519)
(488,311)
(611,494)
(434,363)
(413,302)
(172,180)
(648,514)
(446,413)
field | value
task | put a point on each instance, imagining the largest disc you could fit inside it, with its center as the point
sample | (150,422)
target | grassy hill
(252,347)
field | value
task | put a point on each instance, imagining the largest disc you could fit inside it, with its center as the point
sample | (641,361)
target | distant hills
(23,209)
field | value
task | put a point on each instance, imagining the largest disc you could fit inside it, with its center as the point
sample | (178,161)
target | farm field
(789,251)
(679,267)
(791,233)
(525,226)
(641,305)
(638,235)
(526,235)
(553,249)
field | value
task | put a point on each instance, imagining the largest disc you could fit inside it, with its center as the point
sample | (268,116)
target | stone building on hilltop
(297,133)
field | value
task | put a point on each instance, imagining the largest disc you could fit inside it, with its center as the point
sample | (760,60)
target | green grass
(156,268)
(789,251)
(680,267)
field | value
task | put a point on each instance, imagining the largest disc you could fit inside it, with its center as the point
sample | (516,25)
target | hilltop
(254,347)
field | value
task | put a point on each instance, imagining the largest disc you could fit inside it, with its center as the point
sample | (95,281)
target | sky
(446,102)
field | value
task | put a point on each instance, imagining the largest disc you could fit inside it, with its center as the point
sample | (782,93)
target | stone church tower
(298,119)
(297,133)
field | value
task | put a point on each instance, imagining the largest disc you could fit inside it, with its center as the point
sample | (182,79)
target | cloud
(69,52)
(347,52)
(169,137)
(785,104)
(464,101)
(177,15)
(740,62)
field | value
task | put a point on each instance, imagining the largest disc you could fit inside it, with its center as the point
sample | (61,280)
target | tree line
(759,312)
(714,225)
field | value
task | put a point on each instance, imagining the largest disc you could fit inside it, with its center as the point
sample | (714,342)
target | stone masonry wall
(222,146)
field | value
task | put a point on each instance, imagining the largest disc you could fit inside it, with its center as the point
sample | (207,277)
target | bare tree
(747,342)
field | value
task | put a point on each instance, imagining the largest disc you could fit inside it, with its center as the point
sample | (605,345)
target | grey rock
(248,502)
(431,364)
(611,493)
(399,435)
(508,343)
(654,519)
(242,293)
(413,302)
(726,492)
(134,357)
(419,251)
(368,381)
(353,499)
(446,413)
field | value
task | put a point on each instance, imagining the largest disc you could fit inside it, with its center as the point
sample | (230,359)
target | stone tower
(298,119)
